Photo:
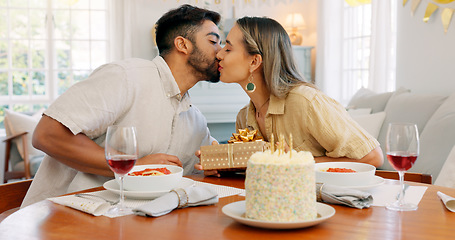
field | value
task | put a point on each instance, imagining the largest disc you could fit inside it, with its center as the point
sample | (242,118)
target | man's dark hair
(183,21)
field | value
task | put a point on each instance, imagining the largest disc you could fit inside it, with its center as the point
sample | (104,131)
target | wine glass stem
(122,196)
(401,175)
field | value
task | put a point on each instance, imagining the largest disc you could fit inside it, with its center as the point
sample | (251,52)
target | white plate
(237,210)
(374,182)
(112,186)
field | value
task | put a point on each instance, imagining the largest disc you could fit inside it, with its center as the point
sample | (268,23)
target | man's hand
(198,166)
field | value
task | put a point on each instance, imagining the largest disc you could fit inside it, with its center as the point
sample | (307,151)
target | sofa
(435,119)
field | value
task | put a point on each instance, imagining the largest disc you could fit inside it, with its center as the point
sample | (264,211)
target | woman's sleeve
(330,124)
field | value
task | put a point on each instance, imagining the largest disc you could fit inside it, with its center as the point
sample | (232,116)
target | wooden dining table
(47,220)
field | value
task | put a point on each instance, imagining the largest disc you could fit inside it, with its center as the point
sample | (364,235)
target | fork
(404,191)
(88,196)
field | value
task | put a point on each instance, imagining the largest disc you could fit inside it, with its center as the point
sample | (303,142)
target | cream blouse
(318,124)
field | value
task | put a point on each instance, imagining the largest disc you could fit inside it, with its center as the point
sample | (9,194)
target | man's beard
(207,69)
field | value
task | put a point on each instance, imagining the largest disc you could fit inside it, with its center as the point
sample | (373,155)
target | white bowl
(153,183)
(364,173)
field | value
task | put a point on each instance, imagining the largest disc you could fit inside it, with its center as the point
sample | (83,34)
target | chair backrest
(9,149)
(12,194)
(408,176)
(15,155)
(25,161)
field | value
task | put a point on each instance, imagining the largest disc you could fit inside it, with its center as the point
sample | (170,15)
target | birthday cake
(280,186)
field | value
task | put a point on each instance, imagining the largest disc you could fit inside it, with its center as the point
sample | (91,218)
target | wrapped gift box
(231,156)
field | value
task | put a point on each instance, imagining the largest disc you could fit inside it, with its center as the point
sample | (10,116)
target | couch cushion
(404,106)
(365,98)
(359,111)
(446,177)
(437,139)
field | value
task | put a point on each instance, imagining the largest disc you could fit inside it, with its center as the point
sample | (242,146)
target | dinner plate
(374,182)
(237,210)
(113,186)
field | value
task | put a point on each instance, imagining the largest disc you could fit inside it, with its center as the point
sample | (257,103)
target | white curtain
(133,26)
(329,69)
(122,24)
(383,46)
(329,57)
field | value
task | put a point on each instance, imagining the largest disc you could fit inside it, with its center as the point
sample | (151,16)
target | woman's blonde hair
(268,38)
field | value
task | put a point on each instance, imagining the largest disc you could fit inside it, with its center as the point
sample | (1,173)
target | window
(46,46)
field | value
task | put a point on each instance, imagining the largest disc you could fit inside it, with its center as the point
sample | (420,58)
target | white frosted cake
(281,188)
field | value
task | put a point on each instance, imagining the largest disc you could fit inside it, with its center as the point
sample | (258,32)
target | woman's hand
(198,166)
(159,158)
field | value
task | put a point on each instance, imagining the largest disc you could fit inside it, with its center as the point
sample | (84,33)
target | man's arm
(76,151)
(79,151)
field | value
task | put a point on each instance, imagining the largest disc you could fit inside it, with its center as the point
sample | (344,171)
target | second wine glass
(402,148)
(121,155)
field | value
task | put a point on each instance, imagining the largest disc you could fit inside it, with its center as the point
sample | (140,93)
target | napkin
(338,195)
(94,207)
(448,201)
(387,193)
(178,198)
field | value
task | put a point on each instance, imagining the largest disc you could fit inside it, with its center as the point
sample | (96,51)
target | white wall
(425,55)
(147,12)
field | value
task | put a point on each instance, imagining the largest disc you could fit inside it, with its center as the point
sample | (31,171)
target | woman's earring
(250,87)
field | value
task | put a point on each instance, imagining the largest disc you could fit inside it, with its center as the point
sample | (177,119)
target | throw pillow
(365,98)
(372,123)
(16,123)
(446,177)
(408,107)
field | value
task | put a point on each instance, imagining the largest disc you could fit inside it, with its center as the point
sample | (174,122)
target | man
(151,95)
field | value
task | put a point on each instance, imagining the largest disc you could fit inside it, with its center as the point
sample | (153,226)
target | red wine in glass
(402,148)
(401,161)
(121,164)
(121,154)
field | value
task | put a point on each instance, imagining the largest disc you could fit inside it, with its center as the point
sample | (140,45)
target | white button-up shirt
(135,92)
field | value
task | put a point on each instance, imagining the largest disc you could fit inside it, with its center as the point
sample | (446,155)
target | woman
(258,56)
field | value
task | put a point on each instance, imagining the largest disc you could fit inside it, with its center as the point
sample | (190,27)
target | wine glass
(121,155)
(402,148)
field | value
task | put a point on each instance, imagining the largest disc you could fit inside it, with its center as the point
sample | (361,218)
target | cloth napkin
(448,201)
(344,196)
(178,198)
(94,207)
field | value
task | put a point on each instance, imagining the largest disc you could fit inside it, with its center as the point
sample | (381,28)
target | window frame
(28,101)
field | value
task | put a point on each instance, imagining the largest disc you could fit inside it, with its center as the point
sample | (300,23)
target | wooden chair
(10,174)
(408,176)
(11,196)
